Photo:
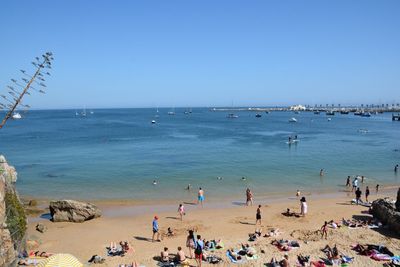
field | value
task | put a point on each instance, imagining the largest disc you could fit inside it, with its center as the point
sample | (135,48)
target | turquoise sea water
(117,153)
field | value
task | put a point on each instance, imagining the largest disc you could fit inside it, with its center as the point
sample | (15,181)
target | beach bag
(199,249)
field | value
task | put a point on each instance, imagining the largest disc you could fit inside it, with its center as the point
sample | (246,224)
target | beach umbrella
(61,260)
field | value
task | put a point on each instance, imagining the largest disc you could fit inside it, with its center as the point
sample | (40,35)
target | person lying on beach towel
(41,254)
(213,244)
(285,245)
(114,250)
(96,259)
(254,236)
(303,260)
(213,259)
(30,261)
(273,232)
(247,250)
(332,255)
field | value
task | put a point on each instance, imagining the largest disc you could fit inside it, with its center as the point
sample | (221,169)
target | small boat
(153,121)
(292,120)
(365,114)
(316,112)
(297,112)
(91,112)
(344,112)
(258,115)
(330,113)
(172,112)
(266,112)
(232,116)
(358,113)
(329,119)
(16,116)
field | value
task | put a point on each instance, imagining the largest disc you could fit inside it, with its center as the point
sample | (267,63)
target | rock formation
(385,211)
(73,211)
(15,223)
(398,200)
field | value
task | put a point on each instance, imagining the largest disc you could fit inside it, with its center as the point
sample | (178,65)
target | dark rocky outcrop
(385,211)
(12,216)
(398,200)
(73,211)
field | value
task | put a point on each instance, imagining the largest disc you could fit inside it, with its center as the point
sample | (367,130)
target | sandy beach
(229,222)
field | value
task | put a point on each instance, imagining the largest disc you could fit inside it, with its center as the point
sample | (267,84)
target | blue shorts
(201,198)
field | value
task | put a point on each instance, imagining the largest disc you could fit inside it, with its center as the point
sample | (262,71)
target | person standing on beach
(324,230)
(258,215)
(190,243)
(198,251)
(303,206)
(321,172)
(362,179)
(355,184)
(366,193)
(181,211)
(249,197)
(156,229)
(358,195)
(377,188)
(348,181)
(298,193)
(200,197)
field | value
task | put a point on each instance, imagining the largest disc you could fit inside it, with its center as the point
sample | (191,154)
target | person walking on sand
(366,193)
(155,229)
(324,230)
(348,181)
(198,251)
(181,211)
(258,215)
(303,206)
(358,195)
(249,197)
(200,197)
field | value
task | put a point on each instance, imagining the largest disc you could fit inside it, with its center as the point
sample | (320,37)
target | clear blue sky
(205,53)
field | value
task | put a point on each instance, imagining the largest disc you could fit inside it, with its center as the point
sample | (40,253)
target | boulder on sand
(385,211)
(73,211)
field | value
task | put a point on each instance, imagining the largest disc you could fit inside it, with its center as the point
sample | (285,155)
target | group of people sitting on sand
(178,258)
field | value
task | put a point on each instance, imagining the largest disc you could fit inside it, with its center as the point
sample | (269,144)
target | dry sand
(231,223)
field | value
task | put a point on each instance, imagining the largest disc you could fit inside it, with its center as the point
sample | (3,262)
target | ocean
(117,153)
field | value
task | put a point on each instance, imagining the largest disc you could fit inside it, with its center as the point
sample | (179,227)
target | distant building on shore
(297,108)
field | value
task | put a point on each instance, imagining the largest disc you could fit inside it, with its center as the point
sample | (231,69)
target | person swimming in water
(188,187)
(321,172)
(155,182)
(243,178)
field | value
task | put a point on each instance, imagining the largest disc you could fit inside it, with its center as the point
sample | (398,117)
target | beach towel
(318,264)
(381,257)
(232,259)
(254,257)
